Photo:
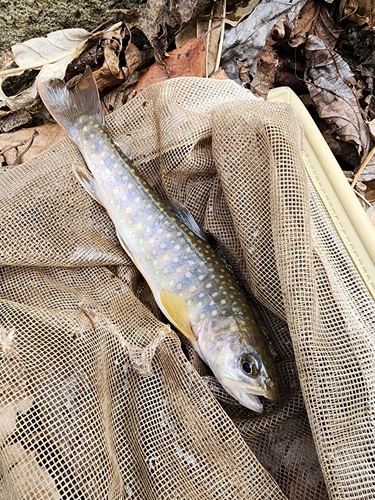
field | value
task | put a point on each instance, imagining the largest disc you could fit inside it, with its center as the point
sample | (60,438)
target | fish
(192,287)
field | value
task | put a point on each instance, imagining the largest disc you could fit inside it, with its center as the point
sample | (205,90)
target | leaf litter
(260,44)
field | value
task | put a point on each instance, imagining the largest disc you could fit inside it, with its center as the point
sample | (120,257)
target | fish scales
(191,286)
(165,251)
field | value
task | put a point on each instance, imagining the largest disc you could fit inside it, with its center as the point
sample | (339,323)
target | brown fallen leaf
(47,135)
(219,75)
(329,81)
(161,20)
(314,20)
(268,60)
(358,11)
(188,60)
(211,27)
(14,119)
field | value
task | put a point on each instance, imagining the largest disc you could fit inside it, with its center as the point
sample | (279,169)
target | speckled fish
(192,288)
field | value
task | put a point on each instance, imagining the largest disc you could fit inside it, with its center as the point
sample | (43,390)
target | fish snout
(270,388)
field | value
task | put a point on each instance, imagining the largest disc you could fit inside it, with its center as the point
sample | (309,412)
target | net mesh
(101,399)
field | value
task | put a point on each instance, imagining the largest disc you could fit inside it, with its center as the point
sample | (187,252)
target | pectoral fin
(86,179)
(177,311)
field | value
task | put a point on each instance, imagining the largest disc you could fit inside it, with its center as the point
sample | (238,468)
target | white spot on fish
(223,301)
(171,283)
(201,295)
(92,135)
(188,275)
(215,294)
(177,247)
(201,277)
(214,313)
(256,233)
(209,285)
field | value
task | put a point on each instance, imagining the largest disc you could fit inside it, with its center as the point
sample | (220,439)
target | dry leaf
(47,135)
(210,28)
(241,10)
(188,60)
(329,79)
(219,75)
(52,54)
(358,11)
(111,72)
(161,20)
(268,61)
(314,20)
(371,126)
(14,119)
(27,477)
(8,416)
(247,39)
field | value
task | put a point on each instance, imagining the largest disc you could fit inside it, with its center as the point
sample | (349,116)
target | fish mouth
(239,391)
(250,401)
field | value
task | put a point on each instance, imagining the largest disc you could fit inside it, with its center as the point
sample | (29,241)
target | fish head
(239,359)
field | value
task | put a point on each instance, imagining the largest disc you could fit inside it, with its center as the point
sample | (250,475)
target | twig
(362,167)
(30,143)
(220,48)
(363,198)
(21,69)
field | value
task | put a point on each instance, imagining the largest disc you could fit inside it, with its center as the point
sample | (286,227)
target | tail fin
(69,107)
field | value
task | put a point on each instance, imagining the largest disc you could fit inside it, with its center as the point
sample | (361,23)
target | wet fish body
(190,285)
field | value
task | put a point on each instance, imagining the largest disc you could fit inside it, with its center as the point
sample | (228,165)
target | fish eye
(250,365)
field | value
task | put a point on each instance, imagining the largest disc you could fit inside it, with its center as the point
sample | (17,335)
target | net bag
(101,399)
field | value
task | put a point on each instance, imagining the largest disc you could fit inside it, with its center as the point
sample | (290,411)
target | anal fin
(87,180)
(125,246)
